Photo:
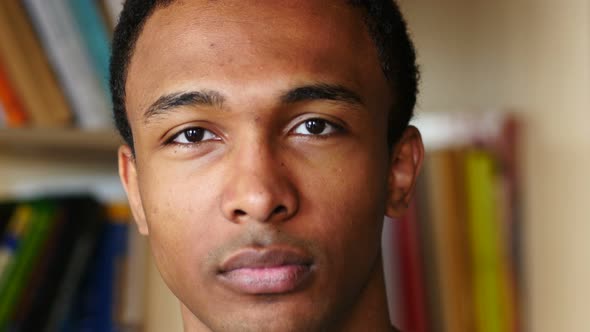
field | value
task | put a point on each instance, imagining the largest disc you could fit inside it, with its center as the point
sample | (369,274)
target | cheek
(180,208)
(346,199)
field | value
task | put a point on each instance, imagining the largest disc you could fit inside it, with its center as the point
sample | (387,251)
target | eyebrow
(191,98)
(322,91)
(211,98)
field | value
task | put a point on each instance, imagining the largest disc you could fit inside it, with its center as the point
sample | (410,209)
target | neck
(370,313)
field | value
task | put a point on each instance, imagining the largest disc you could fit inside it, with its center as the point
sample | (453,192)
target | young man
(266,140)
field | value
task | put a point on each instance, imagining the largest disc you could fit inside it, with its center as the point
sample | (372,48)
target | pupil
(315,126)
(194,134)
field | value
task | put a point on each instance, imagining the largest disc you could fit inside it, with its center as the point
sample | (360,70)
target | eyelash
(333,128)
(202,132)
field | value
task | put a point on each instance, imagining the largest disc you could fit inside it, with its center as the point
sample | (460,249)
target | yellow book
(489,286)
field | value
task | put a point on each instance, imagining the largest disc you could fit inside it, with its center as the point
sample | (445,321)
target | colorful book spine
(428,263)
(86,14)
(88,217)
(16,278)
(64,263)
(65,49)
(96,307)
(33,294)
(489,288)
(16,66)
(6,211)
(450,240)
(413,306)
(27,68)
(113,9)
(17,226)
(14,112)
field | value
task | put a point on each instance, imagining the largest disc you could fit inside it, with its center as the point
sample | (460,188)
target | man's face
(261,160)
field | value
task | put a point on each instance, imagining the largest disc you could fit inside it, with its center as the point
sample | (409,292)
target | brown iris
(315,126)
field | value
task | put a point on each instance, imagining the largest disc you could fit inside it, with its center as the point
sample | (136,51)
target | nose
(258,187)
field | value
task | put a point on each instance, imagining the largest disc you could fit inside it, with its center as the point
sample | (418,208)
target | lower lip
(266,280)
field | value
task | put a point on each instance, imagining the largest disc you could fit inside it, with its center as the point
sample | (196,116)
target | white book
(114,8)
(65,50)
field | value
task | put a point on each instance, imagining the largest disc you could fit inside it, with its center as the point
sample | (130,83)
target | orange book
(451,241)
(14,111)
(28,69)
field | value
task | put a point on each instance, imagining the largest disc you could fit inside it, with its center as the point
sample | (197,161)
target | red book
(410,274)
(11,105)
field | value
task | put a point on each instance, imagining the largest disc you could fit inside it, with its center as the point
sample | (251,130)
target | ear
(128,175)
(405,164)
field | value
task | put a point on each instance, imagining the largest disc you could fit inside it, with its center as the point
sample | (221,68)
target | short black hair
(385,24)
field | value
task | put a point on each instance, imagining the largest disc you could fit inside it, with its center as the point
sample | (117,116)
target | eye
(316,127)
(193,135)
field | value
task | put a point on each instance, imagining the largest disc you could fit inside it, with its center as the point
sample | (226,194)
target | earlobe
(405,165)
(128,175)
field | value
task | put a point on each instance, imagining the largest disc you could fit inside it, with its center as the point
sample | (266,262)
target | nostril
(239,213)
(280,209)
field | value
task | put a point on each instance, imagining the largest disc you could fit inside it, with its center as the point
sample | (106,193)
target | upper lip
(264,257)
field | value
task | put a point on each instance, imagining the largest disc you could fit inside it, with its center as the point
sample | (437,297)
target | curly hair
(384,22)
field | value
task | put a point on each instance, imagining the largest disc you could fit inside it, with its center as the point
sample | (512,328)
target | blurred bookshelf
(60,139)
(58,152)
(455,261)
(70,256)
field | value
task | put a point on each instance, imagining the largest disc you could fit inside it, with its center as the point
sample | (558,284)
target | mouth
(264,271)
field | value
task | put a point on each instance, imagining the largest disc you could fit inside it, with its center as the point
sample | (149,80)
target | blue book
(94,35)
(95,305)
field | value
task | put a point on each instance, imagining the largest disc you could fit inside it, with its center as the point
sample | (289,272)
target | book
(113,8)
(17,225)
(28,70)
(6,211)
(33,294)
(66,52)
(12,109)
(486,241)
(469,222)
(428,263)
(70,245)
(101,292)
(87,216)
(413,305)
(508,149)
(446,197)
(90,23)
(14,279)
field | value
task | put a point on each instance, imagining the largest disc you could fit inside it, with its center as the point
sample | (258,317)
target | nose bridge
(258,187)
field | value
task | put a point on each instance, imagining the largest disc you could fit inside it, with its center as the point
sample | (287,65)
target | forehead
(248,44)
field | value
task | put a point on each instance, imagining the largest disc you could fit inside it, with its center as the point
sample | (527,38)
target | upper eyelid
(172,137)
(336,126)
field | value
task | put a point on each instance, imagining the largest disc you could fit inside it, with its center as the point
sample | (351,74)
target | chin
(269,313)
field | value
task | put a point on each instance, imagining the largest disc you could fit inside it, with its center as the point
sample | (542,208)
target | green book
(17,226)
(25,257)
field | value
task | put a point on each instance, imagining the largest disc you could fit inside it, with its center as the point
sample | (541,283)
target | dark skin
(261,126)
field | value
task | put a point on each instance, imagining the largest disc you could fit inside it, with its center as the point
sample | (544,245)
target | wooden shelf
(47,161)
(59,139)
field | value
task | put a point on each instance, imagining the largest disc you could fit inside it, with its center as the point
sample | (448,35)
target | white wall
(533,57)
